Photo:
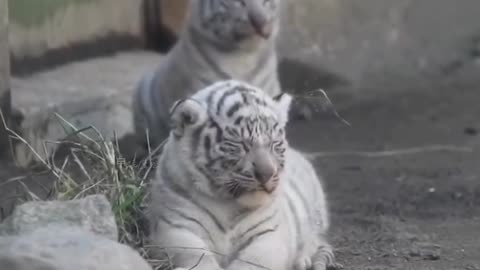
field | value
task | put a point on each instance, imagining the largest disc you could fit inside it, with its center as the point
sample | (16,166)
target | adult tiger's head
(231,24)
(231,138)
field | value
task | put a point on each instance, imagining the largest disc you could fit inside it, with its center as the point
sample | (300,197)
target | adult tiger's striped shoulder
(228,186)
(221,40)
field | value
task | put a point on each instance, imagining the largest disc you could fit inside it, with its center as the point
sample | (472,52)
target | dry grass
(90,164)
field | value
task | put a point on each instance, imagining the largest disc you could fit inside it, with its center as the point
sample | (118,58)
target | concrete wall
(59,27)
(364,41)
(376,41)
(372,41)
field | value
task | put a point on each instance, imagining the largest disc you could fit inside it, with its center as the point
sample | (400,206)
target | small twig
(332,106)
(18,137)
(198,262)
(86,189)
(77,160)
(32,195)
(13,179)
(64,165)
(214,252)
(149,160)
(326,104)
(147,134)
(73,128)
(389,153)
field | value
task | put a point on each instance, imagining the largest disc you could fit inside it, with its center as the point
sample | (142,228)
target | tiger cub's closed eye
(233,147)
(268,3)
(278,147)
(239,3)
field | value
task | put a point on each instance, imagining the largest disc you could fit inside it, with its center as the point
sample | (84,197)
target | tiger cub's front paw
(303,263)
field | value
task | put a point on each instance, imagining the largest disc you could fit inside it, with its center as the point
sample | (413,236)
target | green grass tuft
(84,165)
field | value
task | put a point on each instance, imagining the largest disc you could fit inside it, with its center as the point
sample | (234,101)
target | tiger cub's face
(231,24)
(236,144)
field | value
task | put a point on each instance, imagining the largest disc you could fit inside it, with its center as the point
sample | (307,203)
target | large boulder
(58,247)
(92,213)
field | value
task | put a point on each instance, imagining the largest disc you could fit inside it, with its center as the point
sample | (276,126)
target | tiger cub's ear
(185,114)
(282,103)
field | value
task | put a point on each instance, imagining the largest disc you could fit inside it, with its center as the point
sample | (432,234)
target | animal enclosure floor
(403,180)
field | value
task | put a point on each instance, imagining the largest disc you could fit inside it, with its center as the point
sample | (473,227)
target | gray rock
(57,247)
(21,262)
(92,213)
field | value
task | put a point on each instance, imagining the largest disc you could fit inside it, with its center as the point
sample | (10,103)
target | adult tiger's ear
(185,114)
(283,103)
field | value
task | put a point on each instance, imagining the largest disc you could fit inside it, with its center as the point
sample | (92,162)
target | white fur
(277,250)
(182,222)
(193,64)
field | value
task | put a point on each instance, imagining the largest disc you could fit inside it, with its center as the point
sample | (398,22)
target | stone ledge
(96,92)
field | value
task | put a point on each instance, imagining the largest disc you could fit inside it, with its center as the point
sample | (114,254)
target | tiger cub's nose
(263,173)
(262,25)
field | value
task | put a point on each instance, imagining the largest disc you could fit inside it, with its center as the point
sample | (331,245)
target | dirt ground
(403,180)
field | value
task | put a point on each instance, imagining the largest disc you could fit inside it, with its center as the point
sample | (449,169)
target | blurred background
(403,179)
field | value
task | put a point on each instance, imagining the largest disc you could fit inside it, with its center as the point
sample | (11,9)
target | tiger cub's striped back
(228,182)
(221,40)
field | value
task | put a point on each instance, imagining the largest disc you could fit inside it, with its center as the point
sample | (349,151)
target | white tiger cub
(229,193)
(221,40)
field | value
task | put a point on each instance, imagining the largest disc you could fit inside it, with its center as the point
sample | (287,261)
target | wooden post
(173,14)
(163,20)
(5,98)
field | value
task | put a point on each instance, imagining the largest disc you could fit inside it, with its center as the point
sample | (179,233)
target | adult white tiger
(229,187)
(221,40)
